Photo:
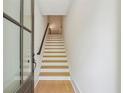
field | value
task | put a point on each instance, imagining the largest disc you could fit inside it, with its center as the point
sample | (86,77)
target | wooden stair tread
(54,74)
(53,67)
(54,42)
(54,60)
(54,52)
(54,45)
(54,48)
(54,56)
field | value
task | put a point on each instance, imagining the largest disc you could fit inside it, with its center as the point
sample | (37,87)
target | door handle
(35,64)
(28,61)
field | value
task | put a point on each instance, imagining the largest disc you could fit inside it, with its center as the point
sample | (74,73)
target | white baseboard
(36,83)
(75,87)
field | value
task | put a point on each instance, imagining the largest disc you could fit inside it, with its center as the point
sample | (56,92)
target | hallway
(61,46)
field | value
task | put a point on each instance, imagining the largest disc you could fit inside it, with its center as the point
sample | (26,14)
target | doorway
(18,46)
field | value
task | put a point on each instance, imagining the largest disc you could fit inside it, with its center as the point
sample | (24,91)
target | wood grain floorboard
(54,86)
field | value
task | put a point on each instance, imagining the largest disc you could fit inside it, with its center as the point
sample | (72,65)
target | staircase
(54,63)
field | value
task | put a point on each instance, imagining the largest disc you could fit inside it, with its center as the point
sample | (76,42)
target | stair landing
(54,86)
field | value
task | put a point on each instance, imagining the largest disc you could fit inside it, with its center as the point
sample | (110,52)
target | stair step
(54,74)
(57,34)
(54,56)
(61,43)
(57,61)
(54,70)
(51,58)
(54,45)
(55,51)
(54,41)
(54,78)
(54,48)
(54,67)
(48,44)
(55,38)
(54,64)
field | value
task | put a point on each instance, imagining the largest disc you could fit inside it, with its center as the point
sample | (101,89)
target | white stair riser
(54,54)
(53,78)
(54,41)
(58,44)
(54,47)
(46,58)
(54,64)
(54,70)
(54,50)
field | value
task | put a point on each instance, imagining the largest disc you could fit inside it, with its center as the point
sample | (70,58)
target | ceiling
(54,7)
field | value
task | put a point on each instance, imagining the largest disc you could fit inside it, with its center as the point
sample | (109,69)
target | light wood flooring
(54,86)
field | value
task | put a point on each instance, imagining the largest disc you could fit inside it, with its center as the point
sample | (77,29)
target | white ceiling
(54,7)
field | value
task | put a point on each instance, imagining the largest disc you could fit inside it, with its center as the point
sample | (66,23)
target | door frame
(28,85)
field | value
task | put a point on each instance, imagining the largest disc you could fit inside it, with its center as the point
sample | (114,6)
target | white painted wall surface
(92,36)
(54,7)
(40,24)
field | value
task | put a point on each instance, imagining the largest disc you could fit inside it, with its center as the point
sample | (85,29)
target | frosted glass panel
(27,18)
(12,8)
(26,55)
(11,57)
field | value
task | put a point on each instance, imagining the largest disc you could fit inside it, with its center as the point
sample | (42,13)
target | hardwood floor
(54,86)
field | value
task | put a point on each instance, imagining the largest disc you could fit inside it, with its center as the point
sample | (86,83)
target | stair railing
(41,45)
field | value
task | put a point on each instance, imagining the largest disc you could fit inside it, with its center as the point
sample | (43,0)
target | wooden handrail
(43,39)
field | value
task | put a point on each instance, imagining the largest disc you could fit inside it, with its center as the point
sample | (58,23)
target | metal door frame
(30,81)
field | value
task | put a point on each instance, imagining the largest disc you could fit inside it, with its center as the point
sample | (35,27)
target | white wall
(40,25)
(92,36)
(54,7)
